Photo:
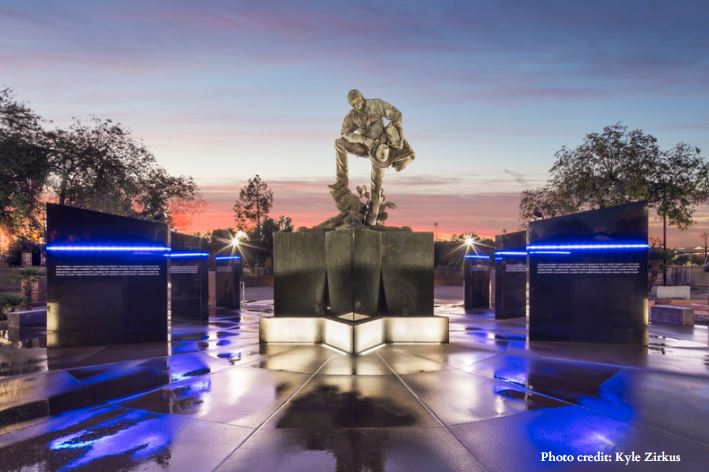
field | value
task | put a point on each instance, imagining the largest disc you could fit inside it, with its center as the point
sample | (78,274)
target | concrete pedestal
(356,336)
(353,289)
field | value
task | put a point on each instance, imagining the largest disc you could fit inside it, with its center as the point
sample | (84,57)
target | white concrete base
(672,314)
(681,292)
(354,337)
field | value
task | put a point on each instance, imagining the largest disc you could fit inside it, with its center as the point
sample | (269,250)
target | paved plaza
(213,399)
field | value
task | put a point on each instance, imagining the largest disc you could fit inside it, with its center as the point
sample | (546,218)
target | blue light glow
(106,248)
(188,254)
(139,434)
(589,246)
(511,253)
(227,258)
(476,256)
(550,252)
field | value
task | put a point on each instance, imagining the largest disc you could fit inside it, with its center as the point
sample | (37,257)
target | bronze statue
(365,135)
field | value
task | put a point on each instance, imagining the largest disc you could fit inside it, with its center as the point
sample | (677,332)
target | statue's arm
(350,132)
(392,114)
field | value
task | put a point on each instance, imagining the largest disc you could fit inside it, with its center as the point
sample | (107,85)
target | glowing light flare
(238,238)
(470,241)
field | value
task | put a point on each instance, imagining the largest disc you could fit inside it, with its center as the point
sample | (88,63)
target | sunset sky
(488,90)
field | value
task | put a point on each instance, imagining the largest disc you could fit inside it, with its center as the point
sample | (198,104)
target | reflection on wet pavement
(213,398)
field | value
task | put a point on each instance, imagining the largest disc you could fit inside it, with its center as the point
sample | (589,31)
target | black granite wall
(110,296)
(510,276)
(189,277)
(477,282)
(584,294)
(228,282)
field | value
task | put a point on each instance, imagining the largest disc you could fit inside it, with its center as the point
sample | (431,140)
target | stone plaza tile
(238,395)
(517,442)
(362,401)
(369,364)
(293,357)
(457,397)
(372,449)
(113,438)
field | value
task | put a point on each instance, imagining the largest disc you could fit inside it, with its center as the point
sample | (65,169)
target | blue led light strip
(476,256)
(226,258)
(188,254)
(511,253)
(550,252)
(77,248)
(534,247)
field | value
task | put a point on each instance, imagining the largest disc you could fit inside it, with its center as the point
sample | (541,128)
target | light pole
(705,235)
(435,231)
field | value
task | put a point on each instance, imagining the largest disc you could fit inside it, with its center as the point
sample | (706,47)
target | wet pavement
(214,399)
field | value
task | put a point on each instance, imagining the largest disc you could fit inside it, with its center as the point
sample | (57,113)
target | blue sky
(489,90)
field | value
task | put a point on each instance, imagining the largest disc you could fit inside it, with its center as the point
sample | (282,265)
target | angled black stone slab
(476,283)
(299,273)
(339,246)
(110,297)
(590,296)
(189,277)
(367,273)
(407,273)
(511,276)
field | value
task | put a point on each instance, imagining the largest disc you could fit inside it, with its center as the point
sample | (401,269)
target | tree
(98,166)
(619,166)
(24,165)
(254,203)
(101,166)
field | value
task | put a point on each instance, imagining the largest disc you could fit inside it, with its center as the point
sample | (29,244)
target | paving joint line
(283,405)
(435,416)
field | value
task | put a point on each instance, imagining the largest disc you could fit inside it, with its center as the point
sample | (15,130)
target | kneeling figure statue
(364,134)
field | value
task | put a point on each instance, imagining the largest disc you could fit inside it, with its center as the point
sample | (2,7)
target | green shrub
(10,301)
(31,273)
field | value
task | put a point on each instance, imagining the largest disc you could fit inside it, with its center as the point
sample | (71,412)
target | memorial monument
(588,276)
(107,279)
(351,282)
